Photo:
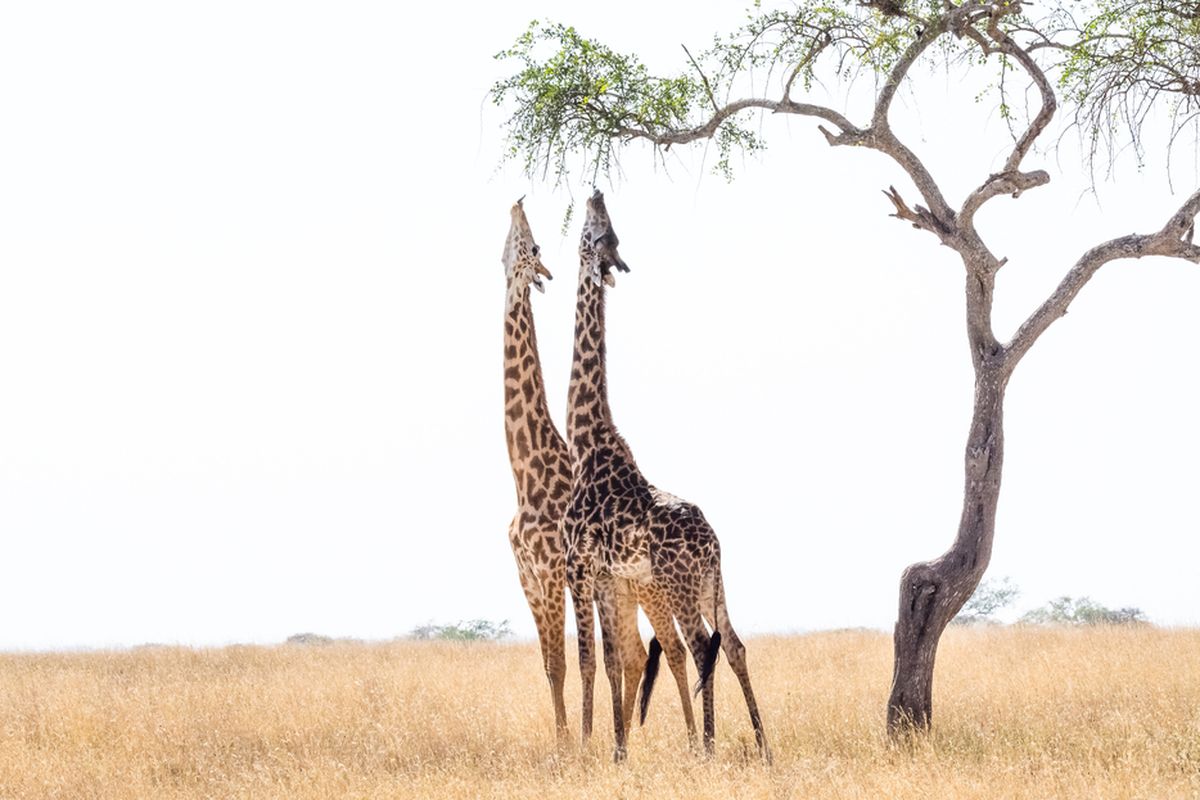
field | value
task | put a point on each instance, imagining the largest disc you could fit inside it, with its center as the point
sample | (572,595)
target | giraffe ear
(606,243)
(613,258)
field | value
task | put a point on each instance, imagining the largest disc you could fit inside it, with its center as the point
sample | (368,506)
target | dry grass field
(1021,713)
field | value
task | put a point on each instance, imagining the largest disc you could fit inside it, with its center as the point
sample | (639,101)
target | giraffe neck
(527,422)
(588,414)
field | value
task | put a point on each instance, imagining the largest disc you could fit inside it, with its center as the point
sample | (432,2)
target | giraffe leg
(735,651)
(582,596)
(633,652)
(550,622)
(655,606)
(544,593)
(606,603)
(554,650)
(687,613)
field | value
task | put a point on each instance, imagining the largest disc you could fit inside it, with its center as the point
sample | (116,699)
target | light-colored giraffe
(618,527)
(542,472)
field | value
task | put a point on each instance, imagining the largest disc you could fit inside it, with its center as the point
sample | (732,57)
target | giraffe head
(598,243)
(522,263)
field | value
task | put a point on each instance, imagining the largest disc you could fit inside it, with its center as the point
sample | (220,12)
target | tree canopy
(1111,62)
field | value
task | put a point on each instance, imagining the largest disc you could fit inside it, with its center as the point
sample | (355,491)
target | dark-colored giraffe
(619,527)
(542,471)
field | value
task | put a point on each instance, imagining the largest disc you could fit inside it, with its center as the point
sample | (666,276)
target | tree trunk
(932,592)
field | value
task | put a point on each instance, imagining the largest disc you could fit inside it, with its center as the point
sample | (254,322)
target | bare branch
(705,131)
(703,77)
(886,142)
(1172,240)
(1011,183)
(900,69)
(920,217)
(709,128)
(957,20)
(818,46)
(1049,100)
(1183,220)
(821,112)
(1011,180)
(854,136)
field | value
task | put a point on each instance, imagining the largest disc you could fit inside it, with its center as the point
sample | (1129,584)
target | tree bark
(932,592)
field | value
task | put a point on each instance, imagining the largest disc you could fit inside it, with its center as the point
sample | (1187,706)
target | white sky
(250,337)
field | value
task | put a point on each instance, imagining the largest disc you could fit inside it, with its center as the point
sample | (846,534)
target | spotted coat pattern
(541,470)
(619,527)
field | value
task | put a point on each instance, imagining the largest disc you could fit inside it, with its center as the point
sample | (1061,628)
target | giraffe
(620,528)
(541,469)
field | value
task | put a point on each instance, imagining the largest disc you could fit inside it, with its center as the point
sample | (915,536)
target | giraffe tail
(714,644)
(648,676)
(710,660)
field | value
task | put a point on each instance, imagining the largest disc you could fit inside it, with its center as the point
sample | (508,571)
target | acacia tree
(1110,63)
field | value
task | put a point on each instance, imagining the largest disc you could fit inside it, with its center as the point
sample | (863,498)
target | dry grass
(1019,714)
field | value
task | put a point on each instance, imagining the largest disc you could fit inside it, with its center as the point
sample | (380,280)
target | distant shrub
(309,638)
(475,630)
(1083,611)
(989,597)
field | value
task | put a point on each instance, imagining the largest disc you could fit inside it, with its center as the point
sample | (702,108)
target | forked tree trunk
(932,592)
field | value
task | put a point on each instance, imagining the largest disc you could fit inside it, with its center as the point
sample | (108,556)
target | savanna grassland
(1020,713)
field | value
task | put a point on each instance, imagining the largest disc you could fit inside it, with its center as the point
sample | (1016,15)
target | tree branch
(899,70)
(703,77)
(920,217)
(886,142)
(709,128)
(1049,100)
(878,136)
(938,217)
(1011,180)
(957,20)
(1173,240)
(818,46)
